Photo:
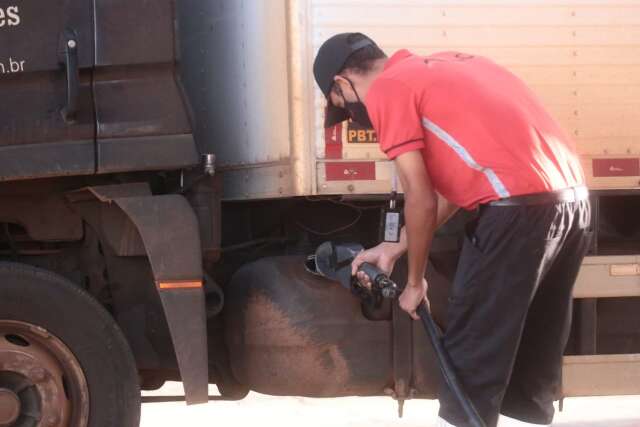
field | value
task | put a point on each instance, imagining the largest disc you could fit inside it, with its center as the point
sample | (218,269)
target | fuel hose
(448,371)
(388,289)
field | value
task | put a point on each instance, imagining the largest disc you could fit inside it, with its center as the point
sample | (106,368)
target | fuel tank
(292,333)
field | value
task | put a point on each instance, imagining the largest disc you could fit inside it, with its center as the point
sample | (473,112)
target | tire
(37,297)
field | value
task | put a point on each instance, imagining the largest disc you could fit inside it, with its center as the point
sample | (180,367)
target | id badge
(391,221)
(392,226)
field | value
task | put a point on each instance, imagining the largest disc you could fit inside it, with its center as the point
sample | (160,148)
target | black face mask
(357,110)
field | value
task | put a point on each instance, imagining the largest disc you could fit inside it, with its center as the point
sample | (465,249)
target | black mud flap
(169,231)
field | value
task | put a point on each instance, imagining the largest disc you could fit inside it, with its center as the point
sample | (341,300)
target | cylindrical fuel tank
(290,332)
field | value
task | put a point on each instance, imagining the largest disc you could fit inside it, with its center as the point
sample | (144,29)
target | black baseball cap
(330,60)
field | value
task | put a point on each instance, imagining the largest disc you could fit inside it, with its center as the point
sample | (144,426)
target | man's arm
(420,212)
(386,254)
(446,210)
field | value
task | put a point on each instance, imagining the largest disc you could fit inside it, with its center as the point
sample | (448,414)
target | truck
(164,173)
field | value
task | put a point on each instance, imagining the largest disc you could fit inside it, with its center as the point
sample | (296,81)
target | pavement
(263,411)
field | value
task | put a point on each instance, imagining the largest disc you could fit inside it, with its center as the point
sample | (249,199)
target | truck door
(142,121)
(47,124)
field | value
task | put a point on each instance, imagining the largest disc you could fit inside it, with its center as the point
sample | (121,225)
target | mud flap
(169,231)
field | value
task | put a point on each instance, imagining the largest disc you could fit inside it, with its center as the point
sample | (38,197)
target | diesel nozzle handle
(380,282)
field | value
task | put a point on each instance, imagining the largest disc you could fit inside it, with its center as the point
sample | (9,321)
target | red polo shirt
(482,132)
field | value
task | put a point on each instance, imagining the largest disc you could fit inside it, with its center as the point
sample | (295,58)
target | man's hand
(412,296)
(383,256)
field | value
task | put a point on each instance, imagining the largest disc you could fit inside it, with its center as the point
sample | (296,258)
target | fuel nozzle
(380,282)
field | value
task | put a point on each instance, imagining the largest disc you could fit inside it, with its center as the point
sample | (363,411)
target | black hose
(448,372)
(384,285)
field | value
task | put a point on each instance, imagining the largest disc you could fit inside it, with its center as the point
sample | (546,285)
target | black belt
(573,194)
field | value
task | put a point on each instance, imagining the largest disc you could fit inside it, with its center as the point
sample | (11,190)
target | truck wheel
(63,360)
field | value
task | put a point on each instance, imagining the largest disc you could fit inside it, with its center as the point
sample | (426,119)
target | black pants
(510,309)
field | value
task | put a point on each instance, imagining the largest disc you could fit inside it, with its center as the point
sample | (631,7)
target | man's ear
(346,89)
(341,82)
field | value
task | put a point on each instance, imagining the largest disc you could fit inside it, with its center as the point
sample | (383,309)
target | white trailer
(581,57)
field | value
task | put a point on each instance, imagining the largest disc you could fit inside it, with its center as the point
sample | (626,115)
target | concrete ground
(262,410)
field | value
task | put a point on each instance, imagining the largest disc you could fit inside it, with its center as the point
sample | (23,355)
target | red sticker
(350,171)
(333,142)
(616,167)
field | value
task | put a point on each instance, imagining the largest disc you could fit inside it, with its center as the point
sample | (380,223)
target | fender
(168,231)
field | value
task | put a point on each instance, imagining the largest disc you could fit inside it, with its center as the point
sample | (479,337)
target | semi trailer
(165,171)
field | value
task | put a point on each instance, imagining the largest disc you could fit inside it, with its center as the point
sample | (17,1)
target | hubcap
(41,381)
(9,407)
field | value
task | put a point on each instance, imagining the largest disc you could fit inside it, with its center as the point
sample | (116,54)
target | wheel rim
(41,381)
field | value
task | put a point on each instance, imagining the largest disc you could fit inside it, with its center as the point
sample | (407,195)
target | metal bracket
(402,347)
